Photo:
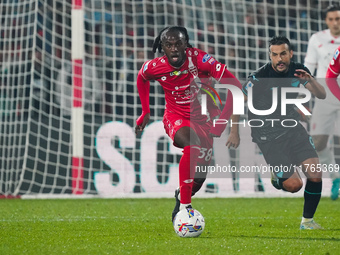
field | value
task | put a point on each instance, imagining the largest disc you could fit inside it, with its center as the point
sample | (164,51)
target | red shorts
(173,122)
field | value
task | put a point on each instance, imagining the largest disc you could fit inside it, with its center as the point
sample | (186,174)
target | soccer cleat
(310,225)
(335,189)
(275,181)
(178,203)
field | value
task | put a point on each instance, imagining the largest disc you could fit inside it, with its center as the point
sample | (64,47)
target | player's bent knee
(293,185)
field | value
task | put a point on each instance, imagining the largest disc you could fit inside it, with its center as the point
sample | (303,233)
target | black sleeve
(247,85)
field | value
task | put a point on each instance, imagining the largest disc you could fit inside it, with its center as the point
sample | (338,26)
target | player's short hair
(278,40)
(332,8)
(157,45)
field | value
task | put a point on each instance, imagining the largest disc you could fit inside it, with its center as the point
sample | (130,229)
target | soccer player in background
(182,71)
(326,113)
(285,145)
(333,72)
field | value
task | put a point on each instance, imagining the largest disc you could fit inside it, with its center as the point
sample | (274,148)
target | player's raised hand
(141,122)
(302,74)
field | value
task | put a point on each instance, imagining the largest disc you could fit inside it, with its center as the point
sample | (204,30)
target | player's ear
(291,53)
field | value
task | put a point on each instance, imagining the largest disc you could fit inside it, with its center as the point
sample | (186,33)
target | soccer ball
(189,223)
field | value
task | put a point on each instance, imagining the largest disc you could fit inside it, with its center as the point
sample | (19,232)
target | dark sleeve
(245,87)
(252,80)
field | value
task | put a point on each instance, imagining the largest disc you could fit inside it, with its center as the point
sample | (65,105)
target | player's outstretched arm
(313,85)
(332,83)
(144,92)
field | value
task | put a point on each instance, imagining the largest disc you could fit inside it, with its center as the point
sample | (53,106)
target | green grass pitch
(143,226)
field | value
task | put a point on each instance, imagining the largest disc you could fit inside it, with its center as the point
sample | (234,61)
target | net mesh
(36,75)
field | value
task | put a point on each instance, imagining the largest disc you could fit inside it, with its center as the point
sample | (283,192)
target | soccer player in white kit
(326,113)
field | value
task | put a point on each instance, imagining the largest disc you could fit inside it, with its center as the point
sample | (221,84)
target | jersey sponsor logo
(205,58)
(336,54)
(182,87)
(332,62)
(187,95)
(211,61)
(178,73)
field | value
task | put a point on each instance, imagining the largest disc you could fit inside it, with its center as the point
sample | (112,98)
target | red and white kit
(321,48)
(333,72)
(182,88)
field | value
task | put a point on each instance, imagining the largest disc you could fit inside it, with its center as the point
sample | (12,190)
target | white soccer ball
(189,223)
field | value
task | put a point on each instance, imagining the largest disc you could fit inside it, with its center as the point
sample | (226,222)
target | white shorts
(326,116)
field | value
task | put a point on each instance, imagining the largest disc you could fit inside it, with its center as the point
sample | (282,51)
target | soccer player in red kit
(182,71)
(333,72)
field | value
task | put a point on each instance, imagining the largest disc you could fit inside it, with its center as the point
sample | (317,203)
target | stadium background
(36,55)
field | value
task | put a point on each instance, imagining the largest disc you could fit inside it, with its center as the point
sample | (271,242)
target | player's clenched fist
(142,121)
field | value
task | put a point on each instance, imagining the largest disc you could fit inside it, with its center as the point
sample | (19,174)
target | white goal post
(68,99)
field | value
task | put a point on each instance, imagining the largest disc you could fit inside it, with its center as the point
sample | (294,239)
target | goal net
(38,72)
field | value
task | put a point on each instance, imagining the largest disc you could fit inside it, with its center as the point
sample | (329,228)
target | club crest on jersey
(205,58)
(178,122)
(193,70)
(336,54)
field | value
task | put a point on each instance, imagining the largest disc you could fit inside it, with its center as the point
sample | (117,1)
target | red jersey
(332,73)
(182,85)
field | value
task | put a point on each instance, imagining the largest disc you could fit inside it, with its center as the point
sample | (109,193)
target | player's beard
(281,67)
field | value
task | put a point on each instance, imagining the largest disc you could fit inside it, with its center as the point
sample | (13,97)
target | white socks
(183,206)
(306,220)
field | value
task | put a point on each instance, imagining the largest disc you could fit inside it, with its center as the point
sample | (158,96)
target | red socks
(187,166)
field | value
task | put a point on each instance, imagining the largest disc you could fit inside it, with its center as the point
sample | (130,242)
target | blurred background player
(333,72)
(326,113)
(182,71)
(283,145)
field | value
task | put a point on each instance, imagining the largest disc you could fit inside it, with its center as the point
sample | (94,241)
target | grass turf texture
(143,226)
